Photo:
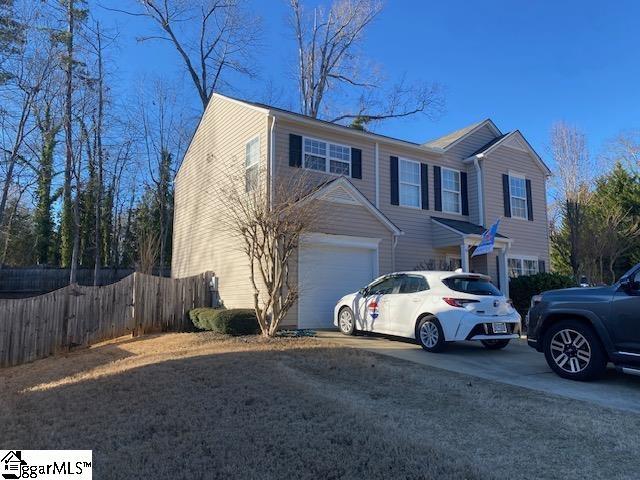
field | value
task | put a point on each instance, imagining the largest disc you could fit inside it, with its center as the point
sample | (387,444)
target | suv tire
(429,334)
(573,350)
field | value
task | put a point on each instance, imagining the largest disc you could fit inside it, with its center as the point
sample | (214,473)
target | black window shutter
(506,195)
(356,163)
(437,188)
(542,267)
(465,193)
(395,193)
(424,182)
(497,283)
(529,203)
(295,150)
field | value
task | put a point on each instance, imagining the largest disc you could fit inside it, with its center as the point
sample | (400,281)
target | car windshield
(473,285)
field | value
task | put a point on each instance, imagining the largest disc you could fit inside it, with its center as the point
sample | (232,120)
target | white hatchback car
(431,307)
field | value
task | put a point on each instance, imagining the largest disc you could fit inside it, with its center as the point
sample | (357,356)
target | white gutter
(272,153)
(480,190)
(377,166)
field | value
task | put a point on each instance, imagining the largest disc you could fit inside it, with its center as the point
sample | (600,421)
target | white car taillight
(458,302)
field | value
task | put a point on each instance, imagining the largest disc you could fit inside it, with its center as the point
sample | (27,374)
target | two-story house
(389,204)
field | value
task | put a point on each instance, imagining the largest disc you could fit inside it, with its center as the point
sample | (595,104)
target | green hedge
(521,289)
(235,321)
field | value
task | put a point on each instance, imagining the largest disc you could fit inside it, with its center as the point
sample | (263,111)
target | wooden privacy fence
(36,327)
(31,281)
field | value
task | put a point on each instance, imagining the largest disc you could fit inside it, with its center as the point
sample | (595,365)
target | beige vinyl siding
(285,127)
(461,151)
(416,244)
(217,151)
(443,237)
(353,220)
(529,237)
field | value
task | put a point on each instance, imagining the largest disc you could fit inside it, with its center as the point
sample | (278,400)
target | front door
(374,308)
(624,319)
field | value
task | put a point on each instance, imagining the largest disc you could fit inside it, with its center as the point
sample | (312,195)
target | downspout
(377,167)
(272,153)
(476,164)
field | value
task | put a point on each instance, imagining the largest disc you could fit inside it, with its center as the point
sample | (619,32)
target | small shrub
(521,289)
(235,321)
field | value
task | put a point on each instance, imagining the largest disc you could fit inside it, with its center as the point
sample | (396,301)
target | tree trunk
(98,212)
(15,153)
(68,240)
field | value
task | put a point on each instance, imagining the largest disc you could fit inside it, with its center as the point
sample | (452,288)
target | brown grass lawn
(201,406)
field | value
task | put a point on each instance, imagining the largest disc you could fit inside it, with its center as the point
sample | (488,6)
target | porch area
(456,240)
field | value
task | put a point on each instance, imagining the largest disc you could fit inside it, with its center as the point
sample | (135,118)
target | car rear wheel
(573,350)
(430,335)
(346,321)
(495,344)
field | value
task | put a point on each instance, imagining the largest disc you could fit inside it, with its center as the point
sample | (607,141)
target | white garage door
(327,273)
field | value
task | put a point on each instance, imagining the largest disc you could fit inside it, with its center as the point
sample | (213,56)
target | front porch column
(504,271)
(464,256)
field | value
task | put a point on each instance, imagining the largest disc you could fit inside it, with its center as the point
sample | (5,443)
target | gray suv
(581,329)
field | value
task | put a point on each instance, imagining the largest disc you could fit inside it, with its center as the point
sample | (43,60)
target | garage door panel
(326,273)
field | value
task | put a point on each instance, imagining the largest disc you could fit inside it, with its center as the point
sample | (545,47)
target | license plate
(500,327)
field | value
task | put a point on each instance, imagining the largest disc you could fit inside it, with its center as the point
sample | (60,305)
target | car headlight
(536,299)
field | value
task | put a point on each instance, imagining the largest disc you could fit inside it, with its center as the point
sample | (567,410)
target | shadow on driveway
(517,364)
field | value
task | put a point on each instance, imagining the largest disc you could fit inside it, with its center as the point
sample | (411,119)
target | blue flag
(488,239)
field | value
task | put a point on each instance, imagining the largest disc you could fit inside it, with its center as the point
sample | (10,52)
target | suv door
(404,305)
(624,319)
(374,310)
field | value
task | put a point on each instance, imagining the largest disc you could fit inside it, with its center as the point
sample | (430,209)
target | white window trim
(256,164)
(419,184)
(327,157)
(443,190)
(521,258)
(512,196)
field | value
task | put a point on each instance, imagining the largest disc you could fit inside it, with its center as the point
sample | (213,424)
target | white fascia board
(530,150)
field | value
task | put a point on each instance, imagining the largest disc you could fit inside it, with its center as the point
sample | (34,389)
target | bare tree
(329,60)
(269,232)
(572,182)
(148,249)
(611,232)
(625,149)
(212,37)
(28,72)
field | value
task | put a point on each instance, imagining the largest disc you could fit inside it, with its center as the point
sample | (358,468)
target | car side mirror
(363,291)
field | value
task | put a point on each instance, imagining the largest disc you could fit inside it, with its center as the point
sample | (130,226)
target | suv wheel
(430,335)
(573,351)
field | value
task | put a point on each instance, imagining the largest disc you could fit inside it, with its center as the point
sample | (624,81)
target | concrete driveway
(517,364)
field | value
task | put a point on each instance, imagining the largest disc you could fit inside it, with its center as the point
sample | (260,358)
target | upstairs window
(327,157)
(518,191)
(451,192)
(409,182)
(252,164)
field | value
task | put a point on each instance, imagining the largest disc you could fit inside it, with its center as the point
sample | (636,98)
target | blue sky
(525,64)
